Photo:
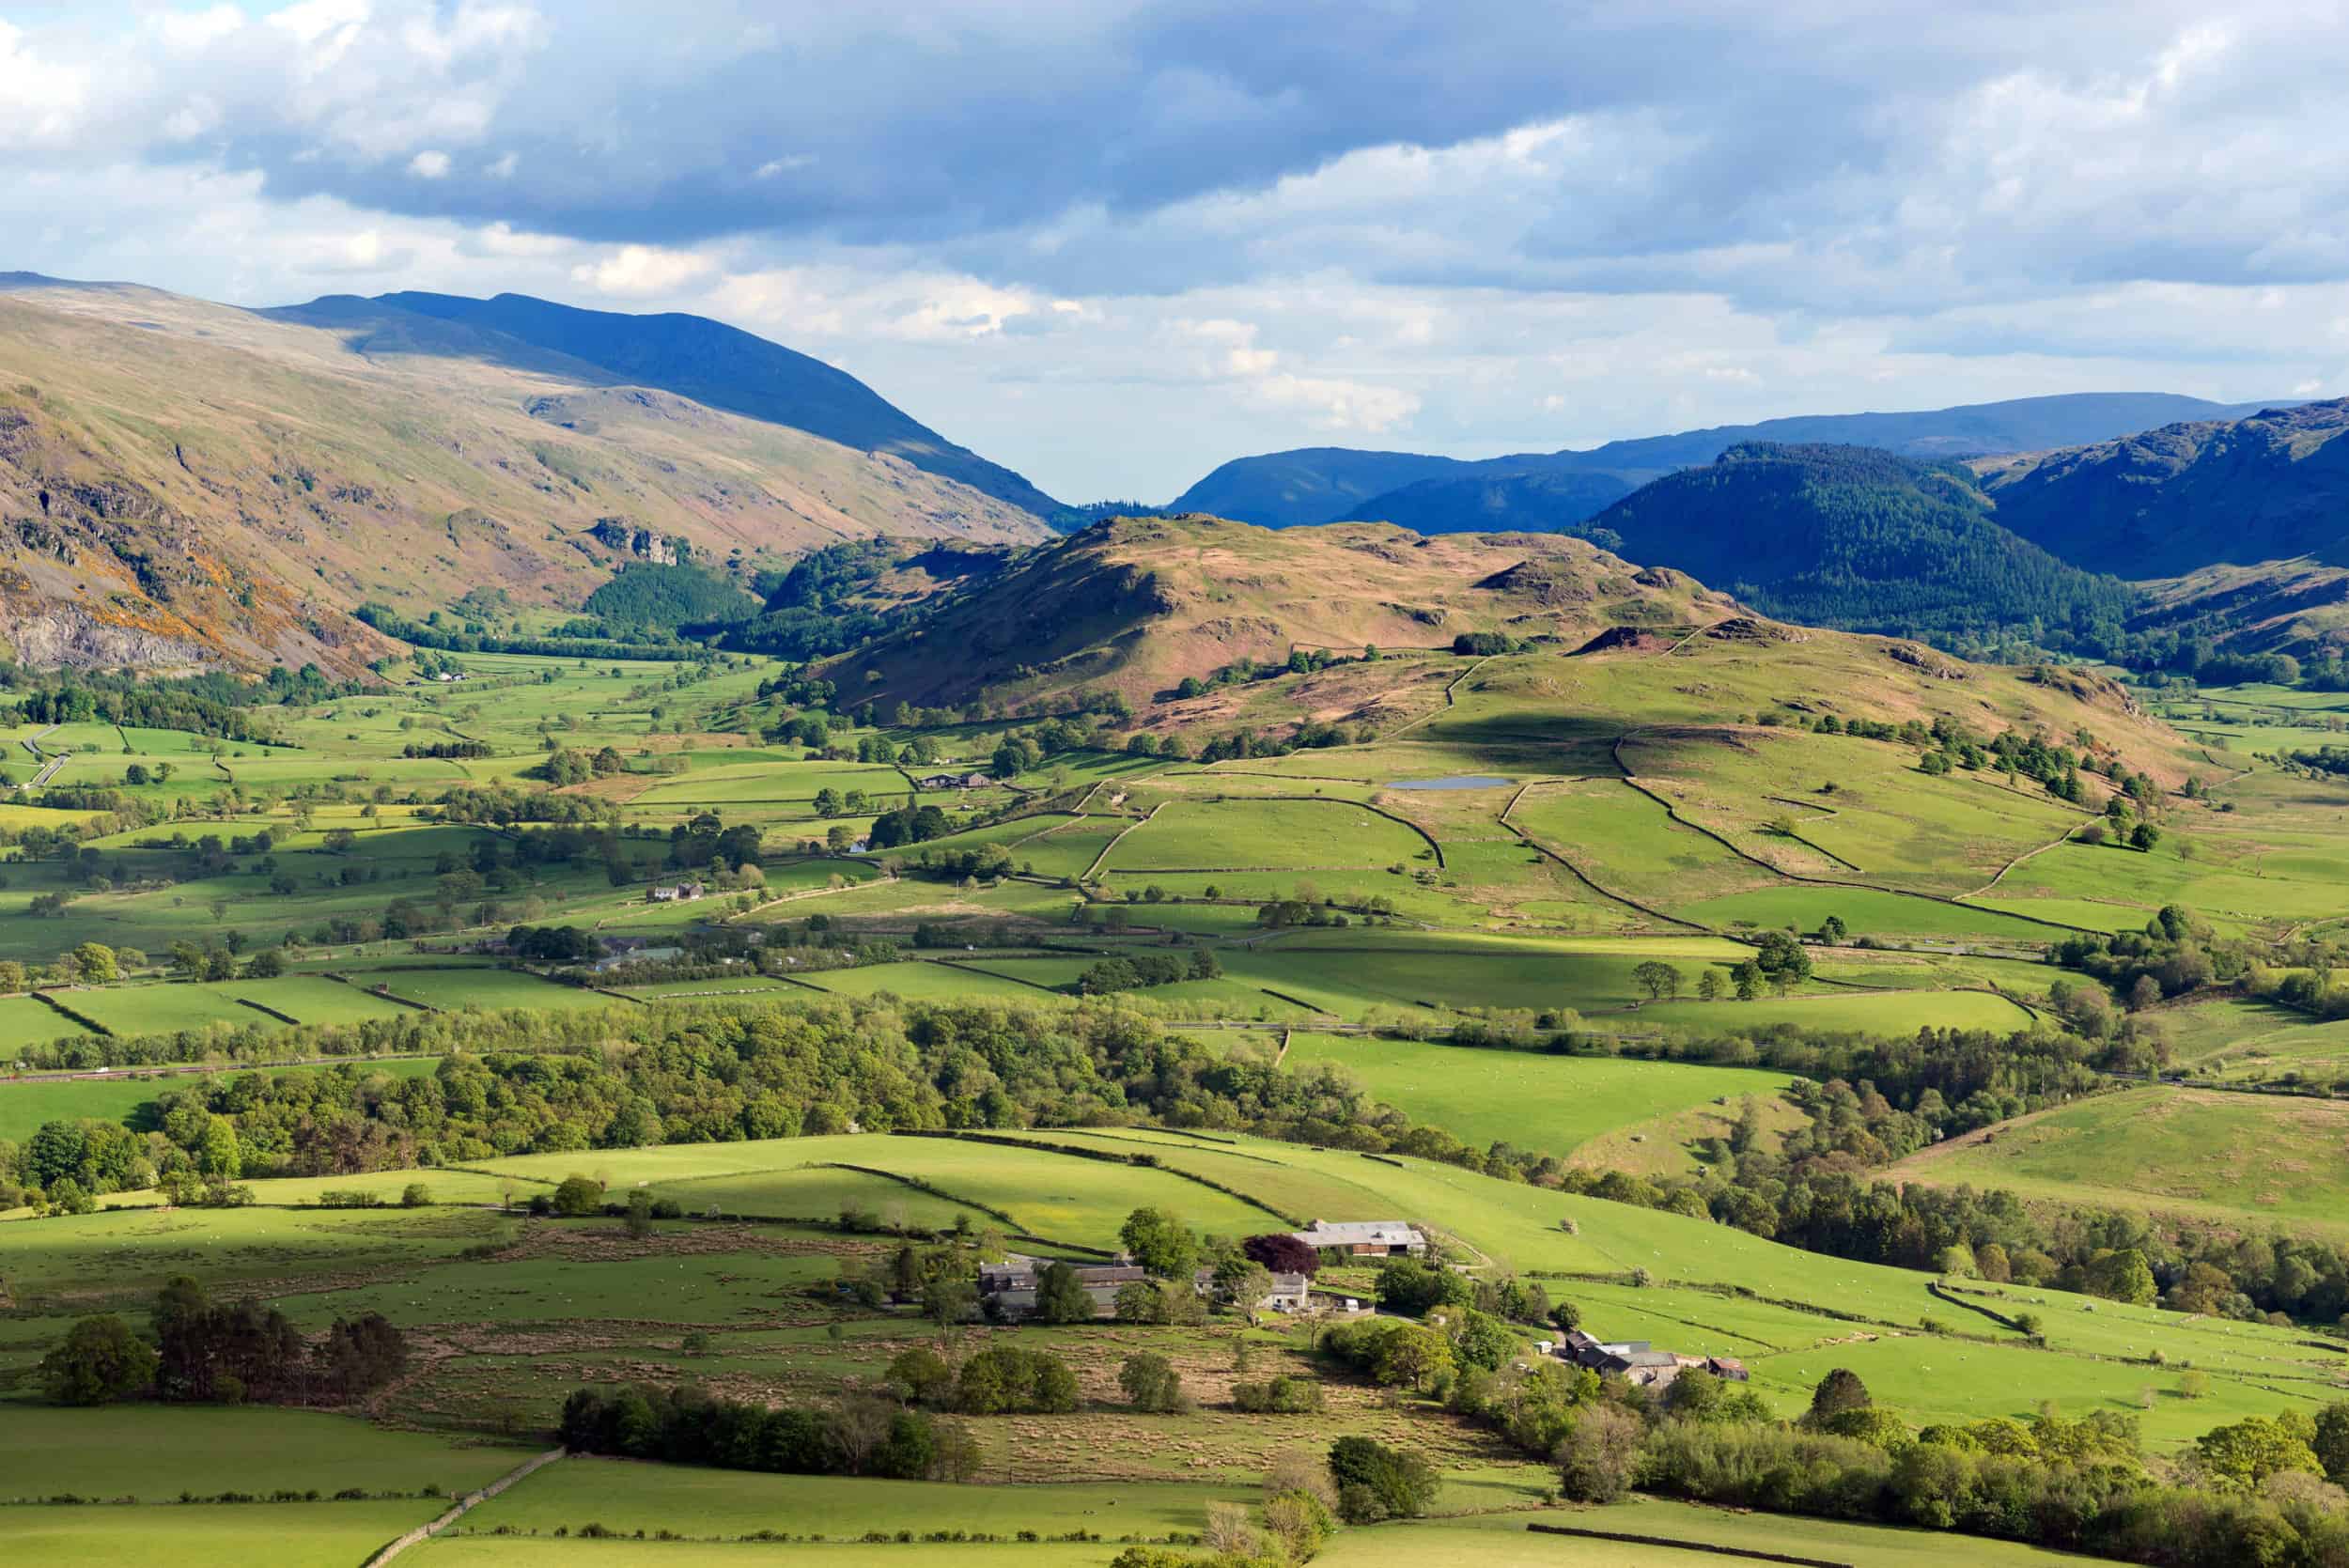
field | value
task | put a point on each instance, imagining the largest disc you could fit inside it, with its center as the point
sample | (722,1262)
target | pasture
(1556,1104)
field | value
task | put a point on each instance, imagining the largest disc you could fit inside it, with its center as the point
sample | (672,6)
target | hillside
(1860,540)
(712,363)
(188,484)
(1444,495)
(2267,488)
(1137,605)
(2295,607)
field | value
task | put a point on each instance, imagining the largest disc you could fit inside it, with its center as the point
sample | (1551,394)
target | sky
(1111,243)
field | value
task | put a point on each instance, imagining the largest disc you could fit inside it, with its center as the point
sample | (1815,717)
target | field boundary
(1672,810)
(1750,1554)
(82,1018)
(1090,872)
(464,1505)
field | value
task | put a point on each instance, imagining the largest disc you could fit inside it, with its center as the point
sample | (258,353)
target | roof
(1354,1232)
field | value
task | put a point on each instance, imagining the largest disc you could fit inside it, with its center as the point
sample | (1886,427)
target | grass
(1534,1100)
(705,1503)
(45,1450)
(1047,1194)
(2255,1158)
(1242,835)
(297,1535)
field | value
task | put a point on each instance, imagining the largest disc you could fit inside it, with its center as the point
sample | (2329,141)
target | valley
(712,971)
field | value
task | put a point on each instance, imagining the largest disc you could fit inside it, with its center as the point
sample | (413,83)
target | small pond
(1463,781)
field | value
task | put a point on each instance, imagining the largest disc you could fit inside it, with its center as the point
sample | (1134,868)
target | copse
(686,1425)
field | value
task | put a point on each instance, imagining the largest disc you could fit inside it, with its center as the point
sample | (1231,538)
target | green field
(1535,1101)
(45,1450)
(2252,1156)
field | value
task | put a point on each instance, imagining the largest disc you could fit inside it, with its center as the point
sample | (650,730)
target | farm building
(675,893)
(1290,1292)
(1008,1288)
(1374,1238)
(1640,1362)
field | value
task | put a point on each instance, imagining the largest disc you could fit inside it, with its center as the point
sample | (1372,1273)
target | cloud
(639,270)
(1477,227)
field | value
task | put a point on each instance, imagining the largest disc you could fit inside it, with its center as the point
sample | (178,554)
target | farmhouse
(1375,1238)
(1638,1362)
(1290,1292)
(1008,1287)
(675,893)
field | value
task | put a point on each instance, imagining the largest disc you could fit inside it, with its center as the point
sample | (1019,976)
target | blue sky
(1111,243)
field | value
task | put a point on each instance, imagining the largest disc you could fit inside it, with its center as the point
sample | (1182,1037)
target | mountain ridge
(1446,494)
(192,485)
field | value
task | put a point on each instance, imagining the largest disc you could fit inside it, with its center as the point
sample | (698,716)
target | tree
(1375,1482)
(1838,1391)
(1566,1315)
(2331,1442)
(1282,1254)
(922,1375)
(1659,980)
(1150,1384)
(579,1195)
(2144,836)
(1412,1358)
(1833,932)
(948,1298)
(1708,985)
(1746,976)
(1599,1453)
(2122,1274)
(1160,1243)
(99,1360)
(96,962)
(1061,1296)
(2244,1454)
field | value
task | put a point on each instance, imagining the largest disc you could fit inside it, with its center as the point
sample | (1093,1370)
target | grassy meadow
(1644,816)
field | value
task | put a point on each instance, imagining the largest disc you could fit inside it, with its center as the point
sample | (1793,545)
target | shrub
(1600,1454)
(99,1362)
(1150,1383)
(1375,1482)
(579,1195)
(1007,1379)
(1278,1397)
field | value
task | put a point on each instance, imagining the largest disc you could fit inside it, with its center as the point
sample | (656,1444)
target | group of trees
(519,1083)
(686,1425)
(200,1351)
(1138,971)
(2254,1491)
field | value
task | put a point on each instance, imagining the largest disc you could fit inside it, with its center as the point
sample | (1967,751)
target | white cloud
(639,270)
(41,101)
(504,167)
(194,31)
(430,165)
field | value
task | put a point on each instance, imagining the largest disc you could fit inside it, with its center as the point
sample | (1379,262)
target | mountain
(185,484)
(1858,538)
(1444,495)
(714,365)
(2166,502)
(1312,483)
(1136,605)
(1538,501)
